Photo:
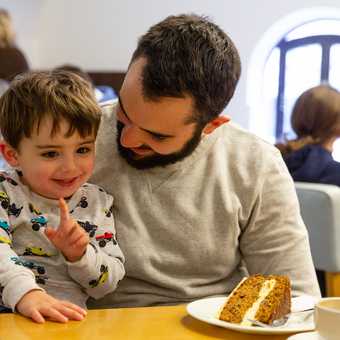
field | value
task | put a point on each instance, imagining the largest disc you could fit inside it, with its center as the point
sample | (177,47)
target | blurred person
(102,93)
(3,86)
(77,70)
(12,59)
(315,120)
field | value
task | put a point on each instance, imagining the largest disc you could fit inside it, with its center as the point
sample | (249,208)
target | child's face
(56,166)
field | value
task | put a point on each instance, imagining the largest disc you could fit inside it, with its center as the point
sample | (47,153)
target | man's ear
(9,154)
(215,123)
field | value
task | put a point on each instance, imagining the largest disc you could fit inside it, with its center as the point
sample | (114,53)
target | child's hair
(75,69)
(315,118)
(33,96)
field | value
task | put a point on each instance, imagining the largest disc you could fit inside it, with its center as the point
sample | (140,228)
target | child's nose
(68,164)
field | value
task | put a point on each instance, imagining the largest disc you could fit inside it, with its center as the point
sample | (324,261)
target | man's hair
(34,96)
(189,55)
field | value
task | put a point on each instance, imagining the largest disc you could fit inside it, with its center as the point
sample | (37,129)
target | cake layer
(278,302)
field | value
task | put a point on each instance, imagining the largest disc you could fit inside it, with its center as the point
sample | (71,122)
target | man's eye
(159,138)
(49,154)
(83,150)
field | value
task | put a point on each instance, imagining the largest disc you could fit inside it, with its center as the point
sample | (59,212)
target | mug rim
(320,305)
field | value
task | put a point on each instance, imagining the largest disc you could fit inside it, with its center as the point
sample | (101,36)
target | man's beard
(157,159)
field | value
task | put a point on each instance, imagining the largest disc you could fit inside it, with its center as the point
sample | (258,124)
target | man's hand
(70,238)
(39,306)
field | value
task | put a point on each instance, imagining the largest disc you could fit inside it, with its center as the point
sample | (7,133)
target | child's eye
(49,154)
(83,150)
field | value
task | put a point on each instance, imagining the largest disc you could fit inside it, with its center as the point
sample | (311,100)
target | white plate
(305,336)
(207,310)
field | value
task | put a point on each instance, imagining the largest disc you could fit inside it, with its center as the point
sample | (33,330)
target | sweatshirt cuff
(88,258)
(13,292)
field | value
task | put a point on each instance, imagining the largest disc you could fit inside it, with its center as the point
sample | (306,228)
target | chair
(320,210)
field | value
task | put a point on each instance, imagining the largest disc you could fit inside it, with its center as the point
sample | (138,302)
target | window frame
(326,42)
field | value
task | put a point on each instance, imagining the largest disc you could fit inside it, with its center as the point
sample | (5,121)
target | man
(199,203)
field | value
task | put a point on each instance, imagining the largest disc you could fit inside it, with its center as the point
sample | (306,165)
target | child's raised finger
(64,213)
(75,234)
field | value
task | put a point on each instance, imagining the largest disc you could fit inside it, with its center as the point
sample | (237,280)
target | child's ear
(9,154)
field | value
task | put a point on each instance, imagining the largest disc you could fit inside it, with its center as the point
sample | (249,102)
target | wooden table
(149,323)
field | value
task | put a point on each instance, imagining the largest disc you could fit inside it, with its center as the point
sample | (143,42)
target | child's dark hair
(33,96)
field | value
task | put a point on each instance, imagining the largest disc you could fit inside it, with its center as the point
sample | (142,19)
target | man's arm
(275,241)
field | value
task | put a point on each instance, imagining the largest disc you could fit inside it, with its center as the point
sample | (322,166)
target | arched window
(300,51)
(307,56)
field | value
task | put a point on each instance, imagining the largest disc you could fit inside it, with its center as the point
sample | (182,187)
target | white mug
(327,318)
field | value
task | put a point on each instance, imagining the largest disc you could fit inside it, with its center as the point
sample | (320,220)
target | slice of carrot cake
(258,297)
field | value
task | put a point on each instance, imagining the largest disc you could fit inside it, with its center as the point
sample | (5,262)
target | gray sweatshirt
(195,228)
(28,260)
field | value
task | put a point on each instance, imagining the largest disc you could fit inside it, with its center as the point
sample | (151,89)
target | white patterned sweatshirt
(28,260)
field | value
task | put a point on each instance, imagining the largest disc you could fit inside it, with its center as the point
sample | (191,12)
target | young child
(53,259)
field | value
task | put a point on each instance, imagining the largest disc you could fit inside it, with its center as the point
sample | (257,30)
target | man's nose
(131,137)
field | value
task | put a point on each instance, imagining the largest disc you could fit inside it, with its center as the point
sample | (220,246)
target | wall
(101,34)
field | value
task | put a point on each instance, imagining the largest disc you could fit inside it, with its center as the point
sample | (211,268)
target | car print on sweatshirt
(81,204)
(109,212)
(36,251)
(5,226)
(33,209)
(28,264)
(41,279)
(14,210)
(4,199)
(103,239)
(5,240)
(3,178)
(88,227)
(102,278)
(38,222)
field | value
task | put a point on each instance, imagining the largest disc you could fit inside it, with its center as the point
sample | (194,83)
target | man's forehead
(169,110)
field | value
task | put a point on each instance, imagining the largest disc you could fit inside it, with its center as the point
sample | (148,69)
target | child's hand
(70,238)
(38,305)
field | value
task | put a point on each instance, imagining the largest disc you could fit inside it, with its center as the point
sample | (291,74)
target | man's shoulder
(246,154)
(242,140)
(108,108)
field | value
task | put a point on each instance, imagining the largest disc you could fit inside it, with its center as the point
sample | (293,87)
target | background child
(52,259)
(315,120)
